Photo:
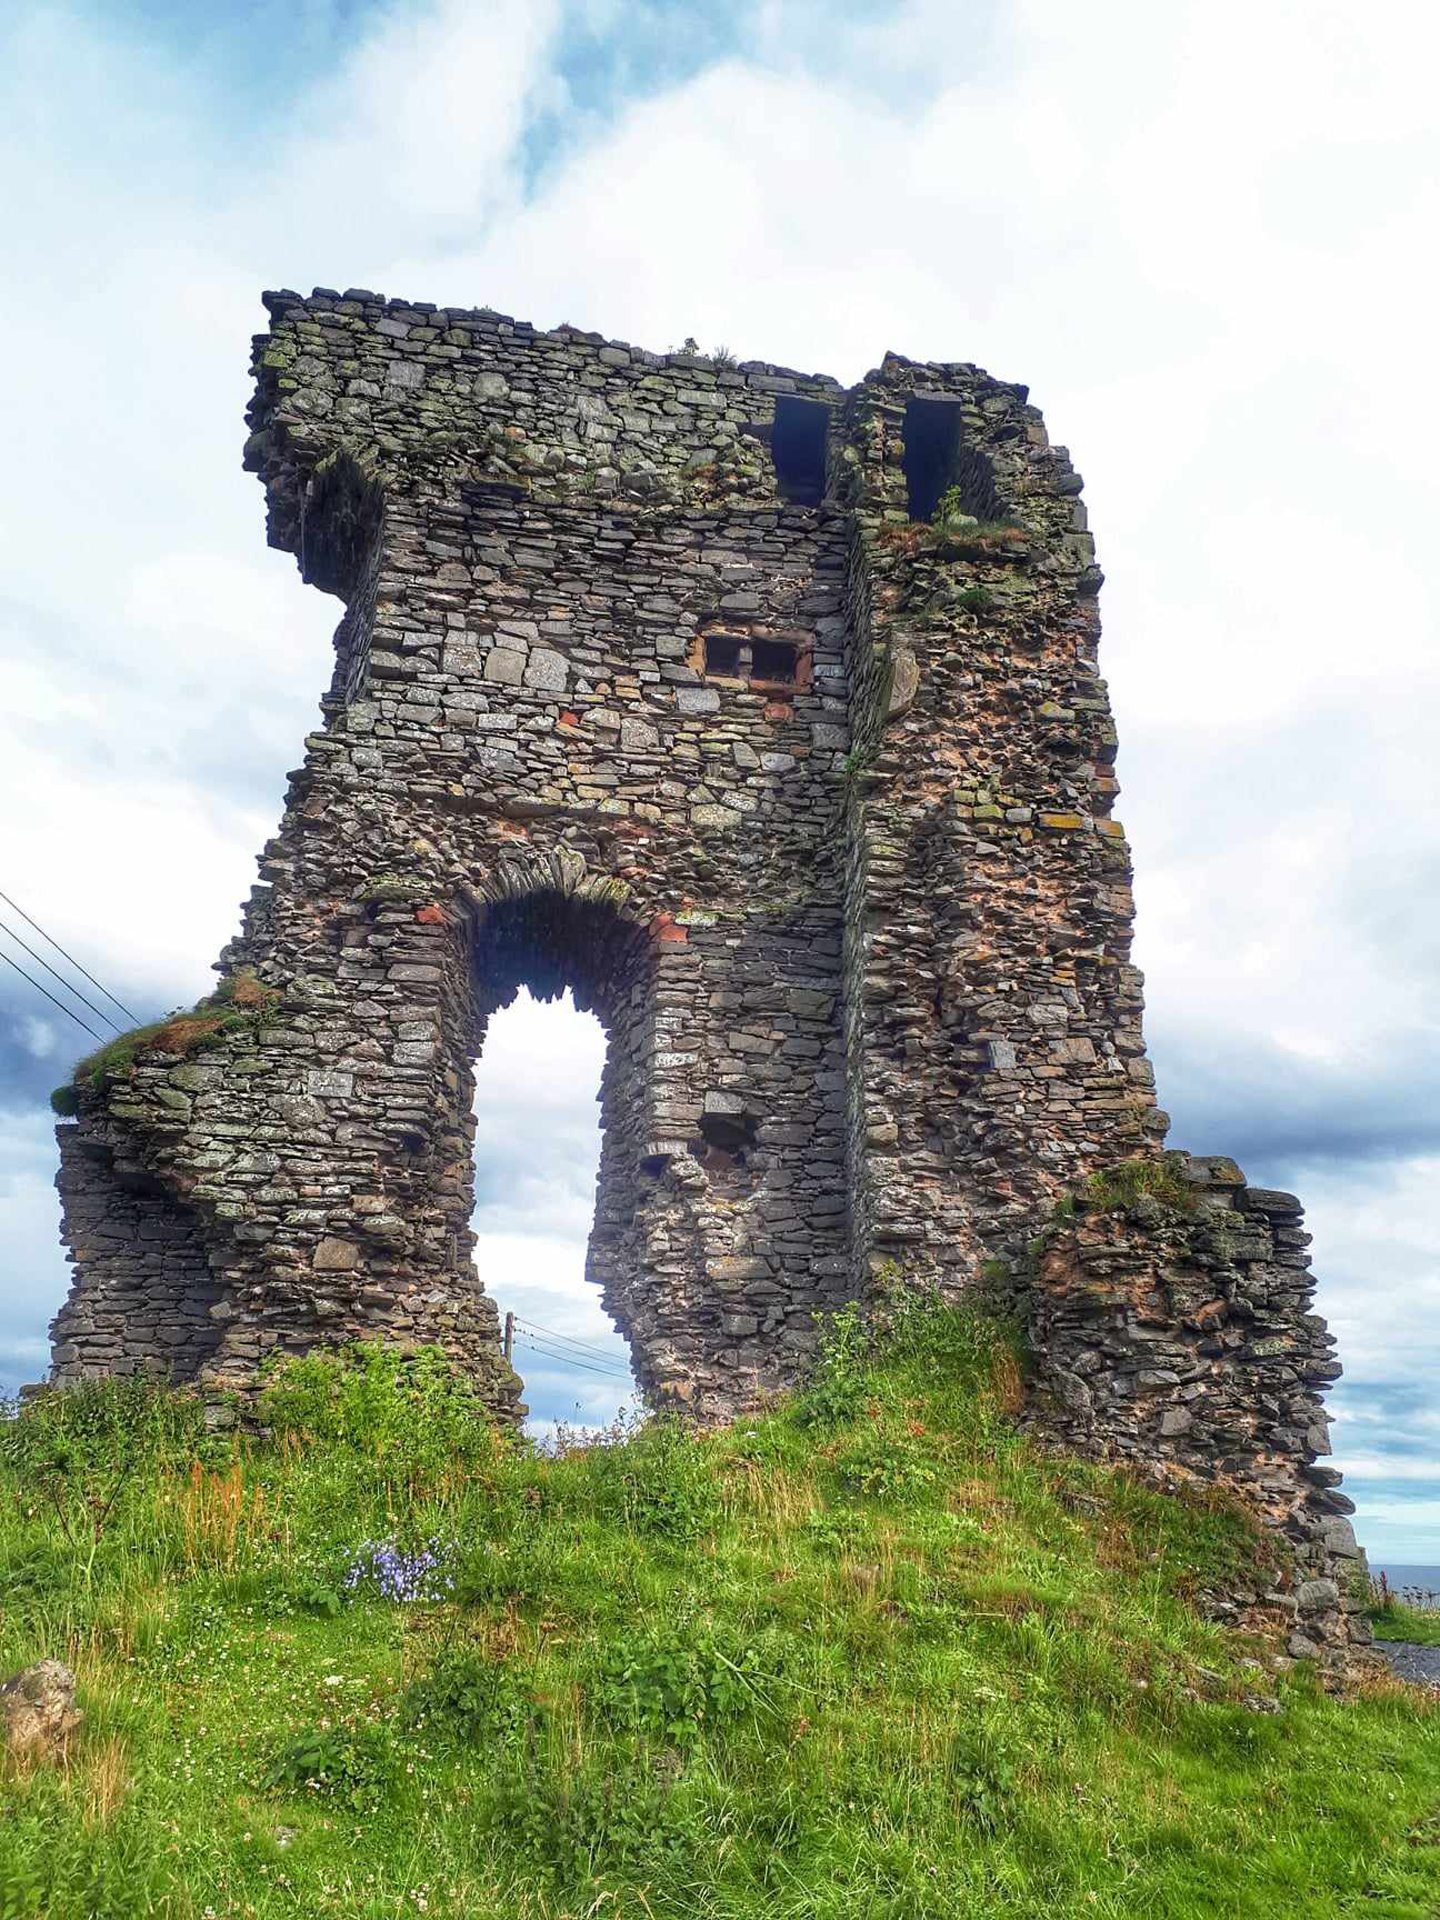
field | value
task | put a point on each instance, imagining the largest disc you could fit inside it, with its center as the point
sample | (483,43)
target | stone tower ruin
(765,715)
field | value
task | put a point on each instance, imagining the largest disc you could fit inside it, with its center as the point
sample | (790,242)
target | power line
(571,1360)
(568,1362)
(580,1360)
(566,1339)
(129,1014)
(40,960)
(51,998)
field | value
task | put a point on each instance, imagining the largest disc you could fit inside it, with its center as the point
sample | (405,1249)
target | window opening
(537,1151)
(758,660)
(724,1146)
(799,440)
(932,444)
(773,661)
(723,655)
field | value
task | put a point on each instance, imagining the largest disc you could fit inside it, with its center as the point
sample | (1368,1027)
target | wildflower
(396,1574)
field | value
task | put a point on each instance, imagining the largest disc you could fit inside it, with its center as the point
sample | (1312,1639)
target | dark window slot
(932,444)
(773,660)
(799,440)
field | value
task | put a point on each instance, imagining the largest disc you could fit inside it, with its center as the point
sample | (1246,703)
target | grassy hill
(871,1657)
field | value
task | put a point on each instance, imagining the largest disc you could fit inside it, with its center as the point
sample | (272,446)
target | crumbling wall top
(418,396)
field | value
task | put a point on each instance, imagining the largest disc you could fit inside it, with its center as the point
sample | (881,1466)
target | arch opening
(537,1158)
(341,510)
(561,988)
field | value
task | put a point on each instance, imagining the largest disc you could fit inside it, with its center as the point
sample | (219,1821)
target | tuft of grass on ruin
(241,1001)
(1131,1181)
(958,534)
(870,1655)
(954,534)
(977,600)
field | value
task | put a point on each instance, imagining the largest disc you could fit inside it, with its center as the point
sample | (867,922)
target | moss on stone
(392,889)
(975,599)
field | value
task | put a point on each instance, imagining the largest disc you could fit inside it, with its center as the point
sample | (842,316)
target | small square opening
(722,654)
(774,661)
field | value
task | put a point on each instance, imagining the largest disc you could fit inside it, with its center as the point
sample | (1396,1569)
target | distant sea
(1425,1579)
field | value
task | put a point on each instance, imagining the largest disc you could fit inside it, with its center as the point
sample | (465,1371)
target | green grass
(1394,1619)
(1132,1180)
(870,1657)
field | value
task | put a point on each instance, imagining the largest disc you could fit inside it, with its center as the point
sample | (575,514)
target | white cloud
(417,133)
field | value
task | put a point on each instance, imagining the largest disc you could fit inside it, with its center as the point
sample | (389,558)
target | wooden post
(509,1336)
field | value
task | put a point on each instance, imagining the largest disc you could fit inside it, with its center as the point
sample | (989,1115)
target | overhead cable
(568,1339)
(39,958)
(566,1363)
(596,1357)
(50,997)
(129,1014)
(570,1359)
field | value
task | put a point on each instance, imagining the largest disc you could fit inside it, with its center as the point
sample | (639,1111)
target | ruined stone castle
(764,714)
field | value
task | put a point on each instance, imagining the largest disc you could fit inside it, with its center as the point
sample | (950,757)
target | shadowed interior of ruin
(799,440)
(163,1290)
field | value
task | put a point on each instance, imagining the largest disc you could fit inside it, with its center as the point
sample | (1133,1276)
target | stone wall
(997,1046)
(657,680)
(1176,1333)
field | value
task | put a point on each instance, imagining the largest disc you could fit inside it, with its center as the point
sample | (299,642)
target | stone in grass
(37,1711)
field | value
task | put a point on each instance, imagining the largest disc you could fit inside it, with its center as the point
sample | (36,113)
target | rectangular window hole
(722,655)
(798,440)
(932,441)
(774,661)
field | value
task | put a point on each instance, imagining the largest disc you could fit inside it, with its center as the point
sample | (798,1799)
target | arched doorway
(553,936)
(537,1157)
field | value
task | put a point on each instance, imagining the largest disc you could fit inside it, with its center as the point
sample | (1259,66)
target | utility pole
(509,1336)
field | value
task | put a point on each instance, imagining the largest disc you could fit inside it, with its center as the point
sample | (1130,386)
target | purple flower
(396,1574)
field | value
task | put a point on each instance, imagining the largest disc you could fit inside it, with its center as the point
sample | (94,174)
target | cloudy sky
(1203,232)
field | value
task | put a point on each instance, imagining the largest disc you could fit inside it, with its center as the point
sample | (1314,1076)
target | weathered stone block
(336,1256)
(38,1712)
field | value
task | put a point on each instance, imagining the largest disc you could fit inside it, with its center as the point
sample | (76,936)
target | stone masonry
(658,679)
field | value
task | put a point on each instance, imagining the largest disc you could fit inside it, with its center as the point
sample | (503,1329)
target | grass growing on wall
(241,1001)
(871,1657)
(1132,1180)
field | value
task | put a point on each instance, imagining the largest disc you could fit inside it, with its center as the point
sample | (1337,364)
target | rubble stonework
(1176,1335)
(655,681)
